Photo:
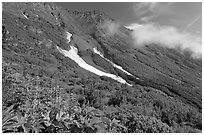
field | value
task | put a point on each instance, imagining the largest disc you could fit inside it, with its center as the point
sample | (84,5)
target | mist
(166,36)
(110,27)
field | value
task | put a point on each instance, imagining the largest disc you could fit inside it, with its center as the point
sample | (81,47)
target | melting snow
(119,67)
(25,16)
(134,26)
(72,54)
(69,35)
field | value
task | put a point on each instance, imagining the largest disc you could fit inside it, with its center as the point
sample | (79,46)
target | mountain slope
(56,54)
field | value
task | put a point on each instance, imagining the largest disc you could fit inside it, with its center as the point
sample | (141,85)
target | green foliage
(95,107)
(46,92)
(9,119)
(147,125)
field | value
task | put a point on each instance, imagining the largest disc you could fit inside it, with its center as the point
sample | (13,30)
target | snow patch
(119,67)
(133,26)
(69,35)
(72,54)
(25,16)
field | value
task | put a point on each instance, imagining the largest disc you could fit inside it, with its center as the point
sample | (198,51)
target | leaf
(66,117)
(106,120)
(97,112)
(59,115)
(8,110)
(120,125)
(115,121)
(95,120)
(85,121)
(72,116)
(21,120)
(37,127)
(9,119)
(89,109)
(100,128)
(9,126)
(7,114)
(46,115)
(77,123)
(77,109)
(58,124)
(26,130)
(67,123)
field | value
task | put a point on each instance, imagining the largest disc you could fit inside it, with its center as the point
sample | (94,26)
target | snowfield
(119,67)
(72,54)
(69,35)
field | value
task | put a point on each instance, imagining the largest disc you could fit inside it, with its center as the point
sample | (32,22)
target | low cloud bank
(165,36)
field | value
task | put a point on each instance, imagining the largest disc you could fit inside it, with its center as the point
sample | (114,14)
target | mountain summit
(70,71)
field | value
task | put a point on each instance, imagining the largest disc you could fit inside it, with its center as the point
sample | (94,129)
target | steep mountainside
(157,67)
(63,72)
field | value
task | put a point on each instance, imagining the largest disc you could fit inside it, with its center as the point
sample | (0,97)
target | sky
(185,16)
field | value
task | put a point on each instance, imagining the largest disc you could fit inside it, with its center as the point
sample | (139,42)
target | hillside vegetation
(44,91)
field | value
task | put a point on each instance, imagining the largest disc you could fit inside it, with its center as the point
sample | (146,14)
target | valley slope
(46,51)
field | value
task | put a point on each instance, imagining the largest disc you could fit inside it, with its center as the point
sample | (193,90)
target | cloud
(110,27)
(166,36)
(144,7)
(146,11)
